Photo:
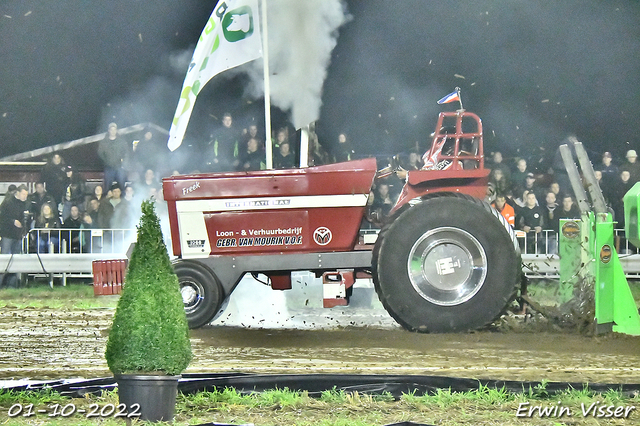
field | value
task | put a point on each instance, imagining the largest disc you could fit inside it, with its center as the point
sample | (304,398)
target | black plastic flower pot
(155,396)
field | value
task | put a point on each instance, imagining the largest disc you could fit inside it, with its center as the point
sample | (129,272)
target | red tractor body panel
(315,209)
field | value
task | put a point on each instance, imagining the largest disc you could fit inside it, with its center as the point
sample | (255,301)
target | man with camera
(11,221)
(13,226)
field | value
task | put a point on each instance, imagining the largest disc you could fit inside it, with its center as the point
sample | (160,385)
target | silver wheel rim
(447,266)
(192,295)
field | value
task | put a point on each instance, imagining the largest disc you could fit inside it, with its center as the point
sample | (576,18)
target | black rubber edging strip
(315,384)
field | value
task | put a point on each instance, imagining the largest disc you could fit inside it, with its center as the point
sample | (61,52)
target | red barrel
(108,276)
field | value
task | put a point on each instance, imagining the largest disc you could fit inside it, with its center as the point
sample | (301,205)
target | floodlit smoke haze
(534,70)
(301,38)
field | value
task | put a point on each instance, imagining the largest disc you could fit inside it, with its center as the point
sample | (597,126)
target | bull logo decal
(237,24)
(322,236)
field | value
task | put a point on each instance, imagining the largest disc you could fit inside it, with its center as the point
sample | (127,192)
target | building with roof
(82,154)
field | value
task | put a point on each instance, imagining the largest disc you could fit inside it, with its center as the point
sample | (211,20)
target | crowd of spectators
(60,213)
(237,148)
(62,200)
(531,202)
(535,203)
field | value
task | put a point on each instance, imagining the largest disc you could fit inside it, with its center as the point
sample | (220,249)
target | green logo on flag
(237,24)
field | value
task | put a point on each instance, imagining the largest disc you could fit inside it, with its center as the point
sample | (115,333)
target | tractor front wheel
(201,292)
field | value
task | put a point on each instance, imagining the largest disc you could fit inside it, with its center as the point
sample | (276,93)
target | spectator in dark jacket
(531,221)
(113,151)
(12,226)
(550,209)
(497,164)
(622,186)
(53,175)
(569,210)
(610,171)
(47,219)
(123,212)
(73,193)
(222,151)
(499,181)
(252,158)
(383,201)
(632,166)
(531,185)
(92,210)
(73,221)
(90,220)
(284,158)
(148,185)
(520,175)
(38,198)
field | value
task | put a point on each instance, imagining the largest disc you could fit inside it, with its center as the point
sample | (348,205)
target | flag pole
(267,88)
(459,99)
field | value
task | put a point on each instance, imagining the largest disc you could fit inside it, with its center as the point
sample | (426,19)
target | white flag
(230,38)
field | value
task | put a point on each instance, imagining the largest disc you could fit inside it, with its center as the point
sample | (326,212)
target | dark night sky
(534,70)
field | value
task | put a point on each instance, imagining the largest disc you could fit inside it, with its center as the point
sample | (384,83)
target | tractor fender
(423,183)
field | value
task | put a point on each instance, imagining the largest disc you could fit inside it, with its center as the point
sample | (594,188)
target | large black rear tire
(201,292)
(449,263)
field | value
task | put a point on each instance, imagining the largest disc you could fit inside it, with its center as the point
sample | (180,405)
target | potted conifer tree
(148,345)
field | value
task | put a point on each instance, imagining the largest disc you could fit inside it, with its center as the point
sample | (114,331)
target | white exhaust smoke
(302,35)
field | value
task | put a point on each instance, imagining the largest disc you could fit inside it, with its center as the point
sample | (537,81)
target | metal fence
(540,257)
(546,242)
(539,251)
(66,240)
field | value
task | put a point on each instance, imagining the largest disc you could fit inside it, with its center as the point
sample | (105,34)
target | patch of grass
(282,398)
(213,400)
(8,397)
(37,294)
(483,406)
(445,398)
(333,396)
(539,391)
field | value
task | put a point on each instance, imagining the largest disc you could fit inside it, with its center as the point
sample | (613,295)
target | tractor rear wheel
(201,292)
(449,263)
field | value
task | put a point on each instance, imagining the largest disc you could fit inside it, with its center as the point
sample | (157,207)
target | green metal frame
(615,308)
(571,263)
(594,256)
(614,302)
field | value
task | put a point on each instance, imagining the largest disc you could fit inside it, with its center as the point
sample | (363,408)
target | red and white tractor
(443,261)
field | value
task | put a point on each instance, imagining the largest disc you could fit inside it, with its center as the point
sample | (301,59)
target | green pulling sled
(588,251)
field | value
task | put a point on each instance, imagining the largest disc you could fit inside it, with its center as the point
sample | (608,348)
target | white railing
(540,254)
(69,248)
(540,258)
(66,240)
(546,242)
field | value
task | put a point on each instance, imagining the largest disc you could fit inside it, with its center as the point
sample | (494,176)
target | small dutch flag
(451,97)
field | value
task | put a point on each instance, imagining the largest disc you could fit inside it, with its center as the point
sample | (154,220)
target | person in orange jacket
(505,209)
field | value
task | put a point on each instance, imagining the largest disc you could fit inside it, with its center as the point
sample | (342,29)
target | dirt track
(45,343)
